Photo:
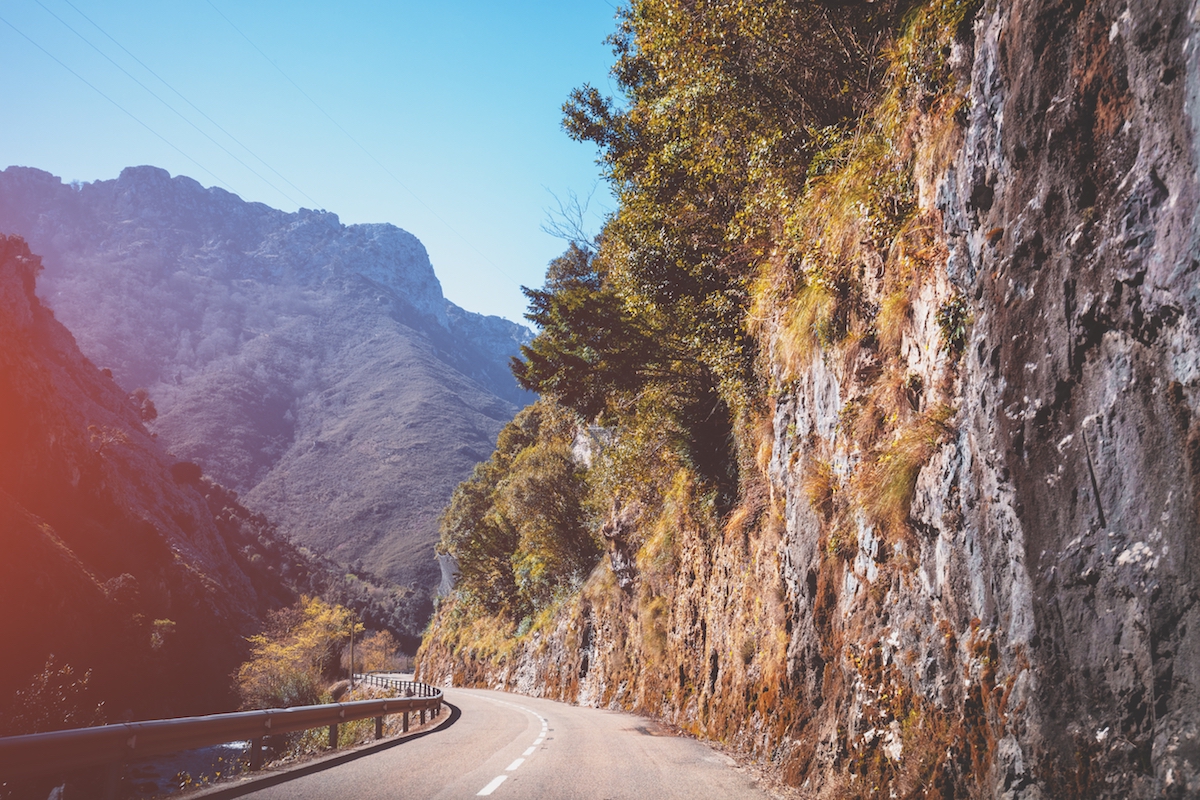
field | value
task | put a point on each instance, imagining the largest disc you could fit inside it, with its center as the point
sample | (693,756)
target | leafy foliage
(953,318)
(644,329)
(55,699)
(518,529)
(378,652)
(707,148)
(297,656)
(591,348)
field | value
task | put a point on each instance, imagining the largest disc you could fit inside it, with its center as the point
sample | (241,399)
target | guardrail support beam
(379,727)
(256,753)
(333,736)
(405,722)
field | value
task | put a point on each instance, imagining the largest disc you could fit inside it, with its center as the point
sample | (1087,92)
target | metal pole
(256,745)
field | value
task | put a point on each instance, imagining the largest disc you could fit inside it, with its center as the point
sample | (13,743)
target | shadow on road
(248,785)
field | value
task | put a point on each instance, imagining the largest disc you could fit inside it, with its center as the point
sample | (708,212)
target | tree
(147,412)
(481,542)
(591,349)
(517,527)
(542,495)
(297,655)
(56,698)
(379,651)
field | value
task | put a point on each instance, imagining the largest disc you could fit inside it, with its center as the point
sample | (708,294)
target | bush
(56,699)
(297,657)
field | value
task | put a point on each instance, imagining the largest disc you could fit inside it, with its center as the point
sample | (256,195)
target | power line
(360,146)
(196,108)
(115,103)
(164,102)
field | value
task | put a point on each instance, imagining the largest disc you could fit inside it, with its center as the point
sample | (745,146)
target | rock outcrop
(1033,632)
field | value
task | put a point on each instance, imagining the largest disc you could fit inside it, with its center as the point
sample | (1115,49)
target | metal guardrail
(406,688)
(63,751)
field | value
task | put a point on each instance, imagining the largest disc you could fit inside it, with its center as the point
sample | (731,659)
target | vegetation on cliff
(297,656)
(769,160)
(889,432)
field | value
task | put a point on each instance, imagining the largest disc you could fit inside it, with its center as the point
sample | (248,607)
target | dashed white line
(493,786)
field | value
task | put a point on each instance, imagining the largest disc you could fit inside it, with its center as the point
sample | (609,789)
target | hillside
(111,563)
(897,493)
(313,367)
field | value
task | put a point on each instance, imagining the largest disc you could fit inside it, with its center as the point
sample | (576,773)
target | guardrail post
(112,780)
(406,722)
(333,736)
(379,727)
(256,748)
(422,715)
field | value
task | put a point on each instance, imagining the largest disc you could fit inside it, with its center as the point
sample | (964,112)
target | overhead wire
(174,110)
(360,146)
(126,111)
(194,107)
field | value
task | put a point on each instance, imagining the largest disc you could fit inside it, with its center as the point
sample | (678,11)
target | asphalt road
(509,746)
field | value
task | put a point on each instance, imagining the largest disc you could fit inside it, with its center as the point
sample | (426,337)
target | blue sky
(445,116)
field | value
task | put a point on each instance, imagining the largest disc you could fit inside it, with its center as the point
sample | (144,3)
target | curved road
(510,746)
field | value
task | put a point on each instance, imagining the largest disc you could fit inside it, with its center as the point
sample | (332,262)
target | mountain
(313,367)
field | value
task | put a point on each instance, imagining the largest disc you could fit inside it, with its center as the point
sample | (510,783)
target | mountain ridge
(291,356)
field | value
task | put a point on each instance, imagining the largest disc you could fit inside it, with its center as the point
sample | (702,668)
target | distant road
(509,746)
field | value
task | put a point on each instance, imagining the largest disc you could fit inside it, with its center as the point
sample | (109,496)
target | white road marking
(493,786)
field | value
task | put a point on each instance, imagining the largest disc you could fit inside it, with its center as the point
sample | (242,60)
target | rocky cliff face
(1028,628)
(312,366)
(1072,222)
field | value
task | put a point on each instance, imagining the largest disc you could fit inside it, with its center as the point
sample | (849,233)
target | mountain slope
(313,367)
(108,562)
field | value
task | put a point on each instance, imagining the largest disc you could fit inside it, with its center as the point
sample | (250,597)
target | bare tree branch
(567,222)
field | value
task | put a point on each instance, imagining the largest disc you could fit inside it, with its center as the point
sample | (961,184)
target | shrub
(296,657)
(55,699)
